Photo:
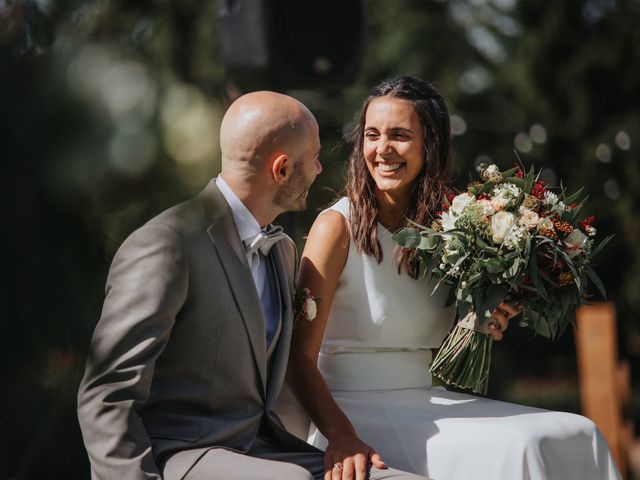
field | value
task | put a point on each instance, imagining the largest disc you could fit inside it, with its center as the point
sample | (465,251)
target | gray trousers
(266,461)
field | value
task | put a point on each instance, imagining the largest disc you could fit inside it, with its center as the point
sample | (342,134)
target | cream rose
(575,242)
(487,207)
(528,218)
(461,201)
(498,203)
(501,223)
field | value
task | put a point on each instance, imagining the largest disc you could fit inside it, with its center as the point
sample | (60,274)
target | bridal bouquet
(507,238)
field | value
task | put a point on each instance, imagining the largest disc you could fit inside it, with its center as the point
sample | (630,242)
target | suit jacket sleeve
(146,287)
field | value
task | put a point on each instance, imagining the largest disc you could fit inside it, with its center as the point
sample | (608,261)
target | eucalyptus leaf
(572,198)
(517,181)
(494,266)
(407,237)
(429,241)
(600,246)
(595,279)
(535,278)
(538,323)
(485,246)
(510,172)
(494,296)
(528,181)
(574,214)
(486,188)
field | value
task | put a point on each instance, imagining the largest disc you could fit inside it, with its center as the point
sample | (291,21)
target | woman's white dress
(374,357)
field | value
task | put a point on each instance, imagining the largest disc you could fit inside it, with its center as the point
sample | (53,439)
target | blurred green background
(109,113)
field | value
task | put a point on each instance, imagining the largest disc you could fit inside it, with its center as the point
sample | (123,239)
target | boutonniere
(306,305)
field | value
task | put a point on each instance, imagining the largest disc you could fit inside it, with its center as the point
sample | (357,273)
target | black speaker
(285,44)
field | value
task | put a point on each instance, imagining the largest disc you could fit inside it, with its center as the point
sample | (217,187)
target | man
(190,352)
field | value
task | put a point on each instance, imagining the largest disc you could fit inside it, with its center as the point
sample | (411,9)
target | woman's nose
(383,146)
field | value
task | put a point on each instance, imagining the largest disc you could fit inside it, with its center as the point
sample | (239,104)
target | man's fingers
(376,460)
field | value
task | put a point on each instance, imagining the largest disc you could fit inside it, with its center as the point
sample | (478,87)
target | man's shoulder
(180,216)
(180,221)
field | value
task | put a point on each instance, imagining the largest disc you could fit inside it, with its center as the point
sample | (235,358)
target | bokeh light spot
(603,153)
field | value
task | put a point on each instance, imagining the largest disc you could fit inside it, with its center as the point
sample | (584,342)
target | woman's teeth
(389,167)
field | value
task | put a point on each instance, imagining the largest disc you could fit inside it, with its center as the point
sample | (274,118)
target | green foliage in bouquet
(507,238)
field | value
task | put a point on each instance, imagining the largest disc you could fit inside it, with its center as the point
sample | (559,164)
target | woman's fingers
(510,310)
(349,468)
(348,471)
(500,319)
(494,329)
(348,458)
(337,470)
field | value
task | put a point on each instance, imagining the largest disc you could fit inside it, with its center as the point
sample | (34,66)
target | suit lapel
(228,245)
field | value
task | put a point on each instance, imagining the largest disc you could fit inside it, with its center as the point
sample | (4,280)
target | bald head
(259,124)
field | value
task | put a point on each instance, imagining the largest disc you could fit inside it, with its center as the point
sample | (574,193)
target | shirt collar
(245,222)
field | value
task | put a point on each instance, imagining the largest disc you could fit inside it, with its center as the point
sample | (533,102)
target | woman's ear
(281,167)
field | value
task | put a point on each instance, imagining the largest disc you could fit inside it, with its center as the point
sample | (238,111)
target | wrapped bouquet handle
(465,356)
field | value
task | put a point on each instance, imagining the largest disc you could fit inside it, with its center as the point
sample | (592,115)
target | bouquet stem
(465,356)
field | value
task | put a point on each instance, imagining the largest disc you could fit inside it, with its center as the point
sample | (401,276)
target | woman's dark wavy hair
(429,187)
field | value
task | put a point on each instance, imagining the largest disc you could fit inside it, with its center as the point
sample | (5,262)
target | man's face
(292,195)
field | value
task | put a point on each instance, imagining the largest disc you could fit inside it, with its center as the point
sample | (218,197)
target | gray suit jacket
(177,362)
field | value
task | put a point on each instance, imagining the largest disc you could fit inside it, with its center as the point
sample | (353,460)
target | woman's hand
(500,319)
(347,457)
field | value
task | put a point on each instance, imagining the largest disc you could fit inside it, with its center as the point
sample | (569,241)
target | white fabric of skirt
(451,436)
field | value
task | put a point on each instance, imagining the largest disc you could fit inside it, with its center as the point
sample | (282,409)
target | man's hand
(347,457)
(499,321)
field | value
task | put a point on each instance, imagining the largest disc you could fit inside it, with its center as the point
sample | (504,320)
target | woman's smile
(393,144)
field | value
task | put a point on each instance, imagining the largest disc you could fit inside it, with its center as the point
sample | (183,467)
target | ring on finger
(338,465)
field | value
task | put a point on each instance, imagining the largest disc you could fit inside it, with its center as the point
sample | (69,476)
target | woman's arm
(323,260)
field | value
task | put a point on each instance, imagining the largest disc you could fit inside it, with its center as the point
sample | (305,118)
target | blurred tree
(110,113)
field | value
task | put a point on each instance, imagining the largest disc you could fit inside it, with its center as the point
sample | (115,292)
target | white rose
(487,207)
(498,203)
(461,201)
(546,224)
(575,242)
(528,218)
(501,224)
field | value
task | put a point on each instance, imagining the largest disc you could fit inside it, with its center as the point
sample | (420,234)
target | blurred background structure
(109,113)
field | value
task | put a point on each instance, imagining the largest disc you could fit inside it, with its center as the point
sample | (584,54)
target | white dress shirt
(248,228)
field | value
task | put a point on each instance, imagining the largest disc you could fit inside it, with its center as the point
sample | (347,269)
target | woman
(359,368)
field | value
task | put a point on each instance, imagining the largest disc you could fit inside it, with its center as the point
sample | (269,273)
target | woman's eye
(371,136)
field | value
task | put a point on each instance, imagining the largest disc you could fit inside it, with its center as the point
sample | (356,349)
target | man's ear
(281,167)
